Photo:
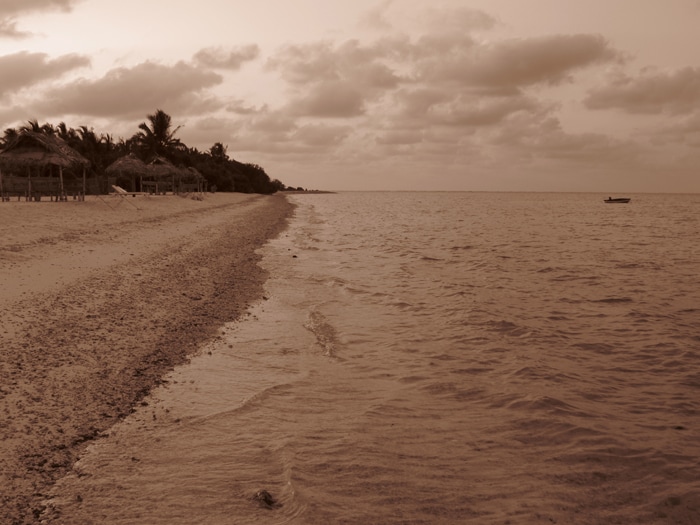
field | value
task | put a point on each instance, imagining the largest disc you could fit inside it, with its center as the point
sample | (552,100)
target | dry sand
(100,299)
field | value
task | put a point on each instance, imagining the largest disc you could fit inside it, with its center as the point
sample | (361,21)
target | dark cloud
(479,111)
(24,69)
(219,58)
(135,91)
(350,61)
(331,81)
(512,64)
(450,73)
(674,92)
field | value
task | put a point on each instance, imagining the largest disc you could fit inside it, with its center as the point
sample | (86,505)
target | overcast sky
(521,95)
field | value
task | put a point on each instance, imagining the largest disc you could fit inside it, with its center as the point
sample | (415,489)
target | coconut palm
(9,135)
(156,138)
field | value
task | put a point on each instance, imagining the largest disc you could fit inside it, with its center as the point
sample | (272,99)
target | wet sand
(99,300)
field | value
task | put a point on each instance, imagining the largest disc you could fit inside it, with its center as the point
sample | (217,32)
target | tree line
(156,138)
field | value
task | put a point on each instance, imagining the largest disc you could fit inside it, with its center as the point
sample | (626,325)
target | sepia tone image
(379,261)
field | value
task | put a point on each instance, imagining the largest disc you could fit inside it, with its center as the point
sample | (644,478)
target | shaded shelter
(34,164)
(163,176)
(131,168)
(193,181)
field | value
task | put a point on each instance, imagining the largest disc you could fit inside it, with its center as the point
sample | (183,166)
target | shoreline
(100,300)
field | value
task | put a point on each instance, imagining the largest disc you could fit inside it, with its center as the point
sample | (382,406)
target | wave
(325,333)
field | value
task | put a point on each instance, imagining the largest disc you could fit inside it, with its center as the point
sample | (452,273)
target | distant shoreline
(295,192)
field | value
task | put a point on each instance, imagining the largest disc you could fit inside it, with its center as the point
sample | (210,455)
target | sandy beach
(99,300)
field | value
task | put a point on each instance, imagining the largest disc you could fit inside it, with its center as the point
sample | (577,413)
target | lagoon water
(434,358)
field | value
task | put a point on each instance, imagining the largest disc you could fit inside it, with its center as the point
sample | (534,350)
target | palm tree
(67,134)
(9,135)
(32,125)
(158,137)
(98,150)
(35,127)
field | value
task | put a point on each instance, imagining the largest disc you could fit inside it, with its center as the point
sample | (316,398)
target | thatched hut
(35,164)
(129,168)
(193,181)
(164,176)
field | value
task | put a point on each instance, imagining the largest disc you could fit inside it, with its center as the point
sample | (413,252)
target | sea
(433,358)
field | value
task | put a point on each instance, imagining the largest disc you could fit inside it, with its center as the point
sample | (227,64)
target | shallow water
(435,358)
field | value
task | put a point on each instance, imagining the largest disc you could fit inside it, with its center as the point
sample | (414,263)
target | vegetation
(156,138)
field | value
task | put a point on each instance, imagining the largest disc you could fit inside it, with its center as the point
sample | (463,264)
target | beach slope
(99,300)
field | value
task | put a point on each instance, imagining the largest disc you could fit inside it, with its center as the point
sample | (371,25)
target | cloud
(400,137)
(323,61)
(16,7)
(434,19)
(438,96)
(414,103)
(10,9)
(241,108)
(24,69)
(376,18)
(321,135)
(652,92)
(334,81)
(545,139)
(8,29)
(276,124)
(209,129)
(134,91)
(512,64)
(479,111)
(332,99)
(456,19)
(218,58)
(683,132)
(451,75)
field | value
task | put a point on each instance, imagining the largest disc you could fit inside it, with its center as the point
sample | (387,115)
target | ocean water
(422,358)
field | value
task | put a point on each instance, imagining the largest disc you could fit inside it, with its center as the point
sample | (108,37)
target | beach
(99,300)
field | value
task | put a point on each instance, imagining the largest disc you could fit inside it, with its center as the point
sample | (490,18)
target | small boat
(619,200)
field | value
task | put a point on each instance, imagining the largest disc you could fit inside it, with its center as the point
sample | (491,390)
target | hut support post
(84,184)
(29,183)
(2,193)
(60,176)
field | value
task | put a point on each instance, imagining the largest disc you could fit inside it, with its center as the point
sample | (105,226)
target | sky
(455,95)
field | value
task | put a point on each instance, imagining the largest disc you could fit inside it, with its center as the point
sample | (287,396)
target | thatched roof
(162,167)
(129,164)
(31,149)
(194,174)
